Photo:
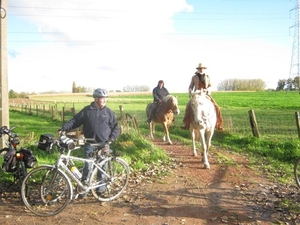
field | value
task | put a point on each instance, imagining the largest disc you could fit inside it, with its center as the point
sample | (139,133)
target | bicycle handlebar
(70,143)
(7,131)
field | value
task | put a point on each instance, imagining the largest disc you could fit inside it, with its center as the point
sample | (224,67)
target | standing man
(201,81)
(159,92)
(99,123)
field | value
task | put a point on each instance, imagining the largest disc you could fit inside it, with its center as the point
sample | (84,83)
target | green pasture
(274,111)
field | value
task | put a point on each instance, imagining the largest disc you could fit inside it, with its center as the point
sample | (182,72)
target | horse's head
(171,103)
(200,108)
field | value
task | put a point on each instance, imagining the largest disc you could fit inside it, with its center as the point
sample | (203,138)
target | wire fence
(283,125)
(270,123)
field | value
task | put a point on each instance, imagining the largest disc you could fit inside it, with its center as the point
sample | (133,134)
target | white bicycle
(48,189)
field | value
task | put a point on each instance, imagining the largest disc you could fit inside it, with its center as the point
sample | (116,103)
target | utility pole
(294,69)
(4,107)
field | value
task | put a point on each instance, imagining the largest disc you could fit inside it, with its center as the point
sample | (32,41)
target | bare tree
(242,85)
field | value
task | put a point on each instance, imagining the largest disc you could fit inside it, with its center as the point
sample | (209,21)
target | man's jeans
(88,154)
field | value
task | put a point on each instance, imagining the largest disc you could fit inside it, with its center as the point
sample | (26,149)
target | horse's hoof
(170,143)
(206,166)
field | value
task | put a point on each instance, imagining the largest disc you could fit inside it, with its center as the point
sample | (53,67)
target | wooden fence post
(297,123)
(253,123)
(63,114)
(52,113)
(121,112)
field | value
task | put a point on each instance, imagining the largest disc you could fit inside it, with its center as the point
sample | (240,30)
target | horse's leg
(151,127)
(204,149)
(166,133)
(209,136)
(193,135)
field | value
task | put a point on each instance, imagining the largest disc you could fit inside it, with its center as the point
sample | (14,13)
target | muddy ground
(231,192)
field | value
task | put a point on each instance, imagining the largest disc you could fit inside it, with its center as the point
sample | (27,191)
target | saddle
(152,108)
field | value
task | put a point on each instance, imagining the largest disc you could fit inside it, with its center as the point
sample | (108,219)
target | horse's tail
(148,109)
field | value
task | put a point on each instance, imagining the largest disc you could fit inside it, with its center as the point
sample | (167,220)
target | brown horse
(164,115)
(203,121)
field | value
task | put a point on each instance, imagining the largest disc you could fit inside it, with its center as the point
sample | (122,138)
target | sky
(112,44)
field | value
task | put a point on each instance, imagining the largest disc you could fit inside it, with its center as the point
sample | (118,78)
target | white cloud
(116,43)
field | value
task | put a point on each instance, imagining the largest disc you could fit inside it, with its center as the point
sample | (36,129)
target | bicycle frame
(63,167)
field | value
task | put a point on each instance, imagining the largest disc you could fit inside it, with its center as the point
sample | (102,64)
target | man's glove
(60,131)
(109,141)
(207,91)
(190,93)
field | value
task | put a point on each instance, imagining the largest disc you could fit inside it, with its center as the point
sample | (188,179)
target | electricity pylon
(294,68)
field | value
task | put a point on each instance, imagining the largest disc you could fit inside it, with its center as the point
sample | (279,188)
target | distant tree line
(241,85)
(13,94)
(136,88)
(80,89)
(132,88)
(289,84)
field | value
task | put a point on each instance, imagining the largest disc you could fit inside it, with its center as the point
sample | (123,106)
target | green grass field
(278,145)
(275,111)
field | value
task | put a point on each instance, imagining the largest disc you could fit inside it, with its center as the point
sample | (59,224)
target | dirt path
(229,193)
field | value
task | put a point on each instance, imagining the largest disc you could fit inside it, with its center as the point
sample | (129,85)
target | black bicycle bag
(29,159)
(10,161)
(45,142)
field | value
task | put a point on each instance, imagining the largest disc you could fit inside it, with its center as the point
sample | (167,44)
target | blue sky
(116,43)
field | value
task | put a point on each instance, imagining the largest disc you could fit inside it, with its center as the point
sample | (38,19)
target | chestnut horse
(202,123)
(164,115)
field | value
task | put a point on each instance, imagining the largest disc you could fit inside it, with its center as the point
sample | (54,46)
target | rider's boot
(184,126)
(149,119)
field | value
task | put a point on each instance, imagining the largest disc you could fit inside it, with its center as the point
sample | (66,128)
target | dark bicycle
(13,160)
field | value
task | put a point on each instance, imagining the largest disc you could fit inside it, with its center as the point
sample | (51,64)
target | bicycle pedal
(82,196)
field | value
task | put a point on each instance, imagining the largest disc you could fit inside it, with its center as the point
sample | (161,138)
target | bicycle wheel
(112,184)
(297,172)
(2,153)
(46,191)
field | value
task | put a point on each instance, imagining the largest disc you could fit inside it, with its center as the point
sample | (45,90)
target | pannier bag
(10,161)
(45,142)
(29,159)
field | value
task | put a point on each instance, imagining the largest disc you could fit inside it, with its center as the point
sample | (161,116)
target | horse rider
(201,81)
(159,92)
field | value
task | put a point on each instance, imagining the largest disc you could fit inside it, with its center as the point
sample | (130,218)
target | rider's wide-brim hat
(201,66)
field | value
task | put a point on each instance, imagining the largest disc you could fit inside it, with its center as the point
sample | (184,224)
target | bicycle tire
(297,172)
(46,191)
(118,171)
(2,153)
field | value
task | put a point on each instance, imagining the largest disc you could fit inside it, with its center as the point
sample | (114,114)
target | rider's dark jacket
(159,93)
(100,124)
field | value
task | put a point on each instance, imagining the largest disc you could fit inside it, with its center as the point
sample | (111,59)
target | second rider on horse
(199,81)
(159,92)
